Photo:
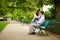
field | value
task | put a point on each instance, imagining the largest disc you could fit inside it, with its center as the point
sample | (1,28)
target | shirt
(41,19)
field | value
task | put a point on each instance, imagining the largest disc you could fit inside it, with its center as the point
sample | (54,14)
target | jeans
(32,25)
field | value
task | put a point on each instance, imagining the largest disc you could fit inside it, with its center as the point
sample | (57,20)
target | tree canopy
(9,6)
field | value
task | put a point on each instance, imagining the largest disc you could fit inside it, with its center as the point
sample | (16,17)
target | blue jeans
(32,25)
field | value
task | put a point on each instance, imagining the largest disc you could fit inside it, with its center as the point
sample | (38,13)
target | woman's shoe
(33,33)
(29,33)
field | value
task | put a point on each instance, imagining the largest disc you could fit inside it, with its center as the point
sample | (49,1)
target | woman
(37,21)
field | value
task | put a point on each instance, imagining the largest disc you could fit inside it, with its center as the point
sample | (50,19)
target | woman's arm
(34,17)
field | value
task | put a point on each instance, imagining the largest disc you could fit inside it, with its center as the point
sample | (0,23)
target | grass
(3,25)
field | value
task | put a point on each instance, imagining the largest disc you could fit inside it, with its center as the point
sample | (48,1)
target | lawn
(3,25)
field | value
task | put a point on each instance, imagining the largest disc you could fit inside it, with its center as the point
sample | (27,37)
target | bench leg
(40,31)
(46,32)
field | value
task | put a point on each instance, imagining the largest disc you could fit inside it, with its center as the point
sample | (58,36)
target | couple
(37,21)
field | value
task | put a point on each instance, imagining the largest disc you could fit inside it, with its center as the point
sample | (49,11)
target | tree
(57,10)
(56,4)
(3,7)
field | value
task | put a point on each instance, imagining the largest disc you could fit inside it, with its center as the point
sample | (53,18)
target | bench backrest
(50,22)
(46,23)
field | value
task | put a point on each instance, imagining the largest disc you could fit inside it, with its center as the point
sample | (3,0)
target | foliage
(24,5)
(47,15)
(26,16)
(57,28)
(20,9)
(48,2)
(50,13)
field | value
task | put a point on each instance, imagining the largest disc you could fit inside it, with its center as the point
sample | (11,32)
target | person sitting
(37,21)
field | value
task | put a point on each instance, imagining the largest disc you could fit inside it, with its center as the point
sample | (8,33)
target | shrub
(48,15)
(57,28)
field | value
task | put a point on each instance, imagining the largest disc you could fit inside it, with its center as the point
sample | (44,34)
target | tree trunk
(57,10)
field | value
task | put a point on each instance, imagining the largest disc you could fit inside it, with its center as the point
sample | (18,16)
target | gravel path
(17,31)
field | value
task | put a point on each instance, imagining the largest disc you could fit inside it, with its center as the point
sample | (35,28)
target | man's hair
(37,12)
(42,12)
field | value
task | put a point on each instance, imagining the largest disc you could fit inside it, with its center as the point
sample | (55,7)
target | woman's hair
(37,13)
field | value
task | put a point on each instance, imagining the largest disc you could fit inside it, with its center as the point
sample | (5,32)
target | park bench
(24,20)
(45,25)
(1,18)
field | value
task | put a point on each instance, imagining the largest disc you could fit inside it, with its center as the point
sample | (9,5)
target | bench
(46,25)
(24,20)
(1,17)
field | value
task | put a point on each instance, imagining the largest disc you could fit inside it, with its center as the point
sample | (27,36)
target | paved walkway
(16,31)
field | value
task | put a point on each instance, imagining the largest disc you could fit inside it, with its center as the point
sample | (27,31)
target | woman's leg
(31,28)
